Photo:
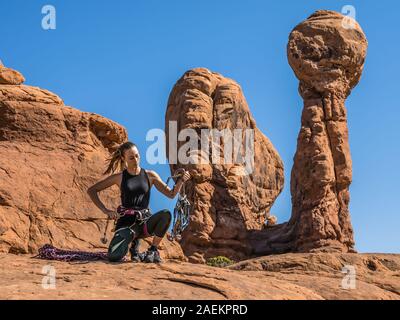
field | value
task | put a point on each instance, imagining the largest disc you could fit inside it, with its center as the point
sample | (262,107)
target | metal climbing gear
(181,211)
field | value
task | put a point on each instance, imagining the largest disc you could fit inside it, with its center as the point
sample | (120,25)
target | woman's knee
(119,245)
(163,223)
(166,214)
(115,256)
(116,253)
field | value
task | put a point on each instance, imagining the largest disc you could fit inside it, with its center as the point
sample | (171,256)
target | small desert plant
(219,261)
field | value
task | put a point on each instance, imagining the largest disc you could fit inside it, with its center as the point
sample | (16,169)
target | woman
(135,184)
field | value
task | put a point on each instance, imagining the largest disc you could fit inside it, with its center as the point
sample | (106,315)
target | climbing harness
(141,217)
(181,211)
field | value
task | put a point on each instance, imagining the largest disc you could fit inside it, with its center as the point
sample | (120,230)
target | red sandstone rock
(49,155)
(10,76)
(287,276)
(226,203)
(328,60)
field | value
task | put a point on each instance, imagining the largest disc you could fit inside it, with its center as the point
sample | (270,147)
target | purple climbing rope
(49,252)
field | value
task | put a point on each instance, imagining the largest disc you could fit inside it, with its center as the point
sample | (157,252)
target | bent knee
(115,257)
(166,214)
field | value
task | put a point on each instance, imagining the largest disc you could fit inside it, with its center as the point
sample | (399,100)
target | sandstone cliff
(50,154)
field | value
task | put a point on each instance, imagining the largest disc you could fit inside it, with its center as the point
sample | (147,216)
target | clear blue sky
(120,59)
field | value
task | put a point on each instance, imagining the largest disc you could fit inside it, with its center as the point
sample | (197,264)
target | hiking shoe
(152,256)
(135,257)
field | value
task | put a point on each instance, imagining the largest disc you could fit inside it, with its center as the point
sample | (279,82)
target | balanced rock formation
(327,56)
(49,155)
(328,59)
(228,198)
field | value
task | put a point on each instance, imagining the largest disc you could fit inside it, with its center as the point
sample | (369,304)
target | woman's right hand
(112,214)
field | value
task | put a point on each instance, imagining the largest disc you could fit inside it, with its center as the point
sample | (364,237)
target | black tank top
(135,190)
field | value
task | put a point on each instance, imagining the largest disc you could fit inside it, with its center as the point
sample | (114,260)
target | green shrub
(219,261)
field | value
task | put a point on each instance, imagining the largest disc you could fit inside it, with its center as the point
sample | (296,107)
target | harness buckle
(141,214)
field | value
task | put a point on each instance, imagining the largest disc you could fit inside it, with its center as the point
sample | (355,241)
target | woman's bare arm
(101,185)
(163,188)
